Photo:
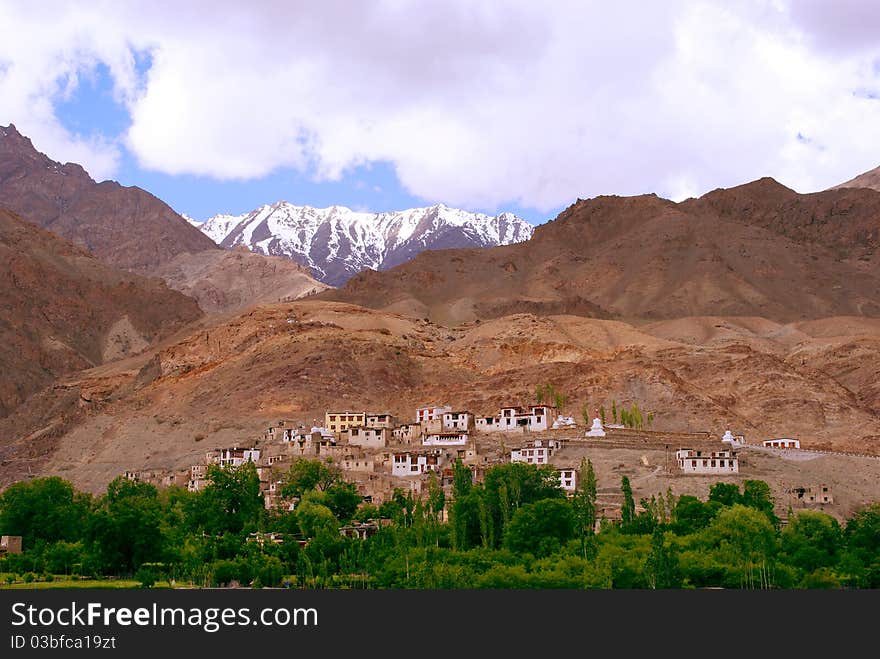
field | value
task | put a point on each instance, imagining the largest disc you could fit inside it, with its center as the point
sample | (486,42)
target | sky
(220,106)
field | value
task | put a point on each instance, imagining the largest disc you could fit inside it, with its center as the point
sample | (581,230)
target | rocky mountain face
(125,227)
(869,179)
(337,242)
(759,249)
(224,382)
(62,310)
(230,280)
(131,229)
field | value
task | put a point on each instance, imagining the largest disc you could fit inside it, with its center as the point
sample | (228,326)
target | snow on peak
(338,242)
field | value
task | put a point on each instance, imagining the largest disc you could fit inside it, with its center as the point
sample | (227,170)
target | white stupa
(596,430)
(728,438)
(564,422)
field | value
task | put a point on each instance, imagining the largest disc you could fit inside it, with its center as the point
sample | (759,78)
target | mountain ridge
(337,242)
(126,227)
(759,249)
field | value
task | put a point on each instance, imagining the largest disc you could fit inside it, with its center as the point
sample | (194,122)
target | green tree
(508,486)
(745,539)
(314,517)
(343,500)
(756,494)
(725,494)
(614,410)
(126,530)
(862,542)
(628,509)
(811,540)
(585,506)
(541,528)
(691,515)
(661,566)
(44,509)
(436,496)
(462,479)
(231,501)
(305,475)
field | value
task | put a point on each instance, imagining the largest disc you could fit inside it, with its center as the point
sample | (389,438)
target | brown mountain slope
(756,250)
(229,281)
(123,226)
(869,179)
(62,310)
(225,382)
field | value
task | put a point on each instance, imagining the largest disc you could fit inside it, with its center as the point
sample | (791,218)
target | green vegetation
(630,417)
(515,529)
(547,394)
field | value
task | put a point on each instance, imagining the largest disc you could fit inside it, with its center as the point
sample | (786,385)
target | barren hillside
(225,382)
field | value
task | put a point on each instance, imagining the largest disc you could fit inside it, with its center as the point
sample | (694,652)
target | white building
(233,457)
(732,440)
(568,479)
(446,439)
(430,413)
(596,430)
(537,452)
(458,421)
(564,422)
(782,442)
(692,461)
(487,423)
(414,464)
(197,478)
(371,437)
(519,419)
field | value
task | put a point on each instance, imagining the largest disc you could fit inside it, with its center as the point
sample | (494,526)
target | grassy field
(71,584)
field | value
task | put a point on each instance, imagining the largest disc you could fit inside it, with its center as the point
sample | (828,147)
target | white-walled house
(233,457)
(568,479)
(445,439)
(513,419)
(414,464)
(536,418)
(537,452)
(432,412)
(692,461)
(458,421)
(487,423)
(541,417)
(371,437)
(782,442)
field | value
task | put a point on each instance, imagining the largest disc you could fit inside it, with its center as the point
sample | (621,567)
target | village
(381,453)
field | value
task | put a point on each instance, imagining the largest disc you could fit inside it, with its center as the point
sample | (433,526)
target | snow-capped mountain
(337,242)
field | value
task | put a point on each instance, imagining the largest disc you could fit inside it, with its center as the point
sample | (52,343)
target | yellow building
(340,421)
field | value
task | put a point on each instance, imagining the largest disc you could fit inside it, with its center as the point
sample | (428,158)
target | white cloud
(474,104)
